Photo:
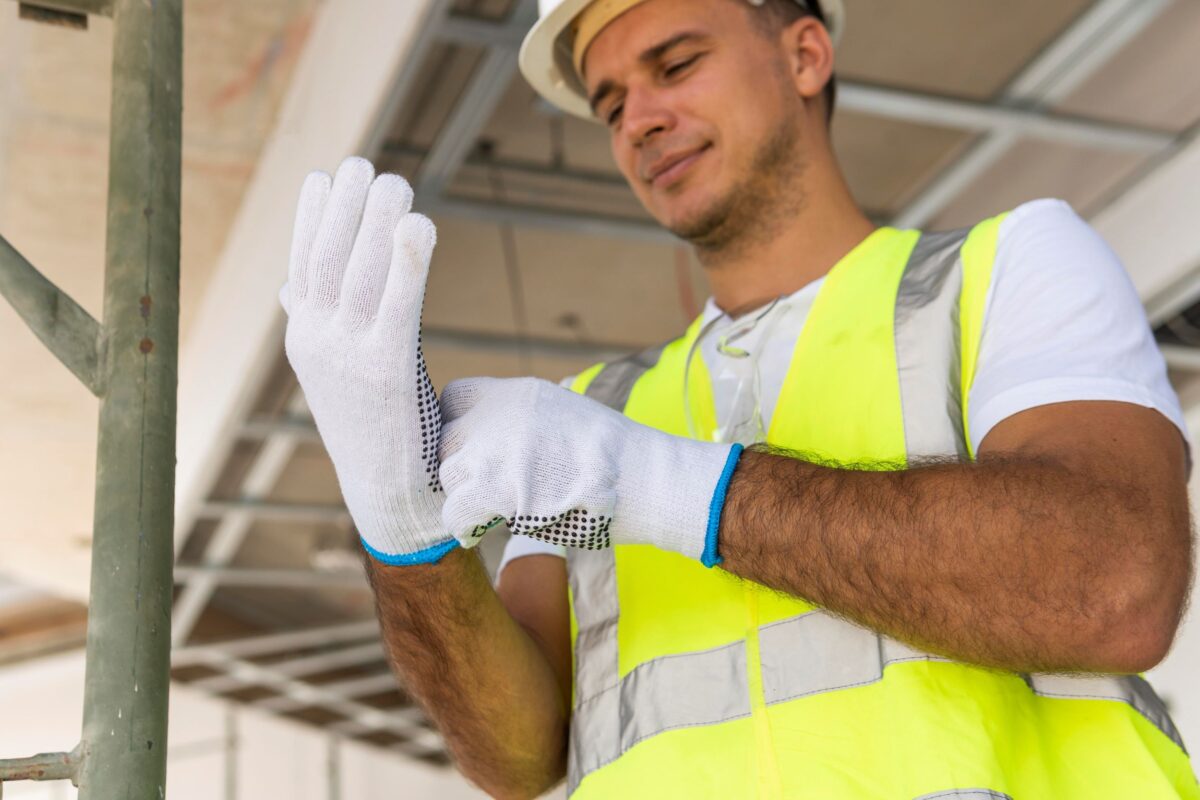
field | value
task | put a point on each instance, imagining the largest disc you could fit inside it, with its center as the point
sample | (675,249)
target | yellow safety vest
(689,682)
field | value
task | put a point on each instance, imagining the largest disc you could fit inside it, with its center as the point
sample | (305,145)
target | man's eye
(679,66)
(614,114)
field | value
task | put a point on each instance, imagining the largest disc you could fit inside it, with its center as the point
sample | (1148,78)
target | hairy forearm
(1012,564)
(475,671)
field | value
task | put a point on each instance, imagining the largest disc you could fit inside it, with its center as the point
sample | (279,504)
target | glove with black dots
(356,283)
(563,468)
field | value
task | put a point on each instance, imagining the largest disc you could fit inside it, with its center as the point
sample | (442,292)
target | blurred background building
(950,111)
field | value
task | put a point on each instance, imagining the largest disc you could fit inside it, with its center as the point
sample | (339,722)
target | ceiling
(950,112)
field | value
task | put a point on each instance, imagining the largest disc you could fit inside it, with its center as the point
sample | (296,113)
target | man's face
(699,110)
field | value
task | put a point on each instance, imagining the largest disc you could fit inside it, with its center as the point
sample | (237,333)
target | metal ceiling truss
(1062,68)
(290,672)
(1019,113)
(406,723)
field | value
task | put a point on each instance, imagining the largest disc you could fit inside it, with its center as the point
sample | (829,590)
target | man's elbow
(1140,633)
(526,779)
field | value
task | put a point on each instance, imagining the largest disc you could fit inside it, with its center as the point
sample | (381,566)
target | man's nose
(645,115)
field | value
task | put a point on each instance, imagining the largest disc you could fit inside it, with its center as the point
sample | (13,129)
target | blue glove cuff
(430,555)
(709,557)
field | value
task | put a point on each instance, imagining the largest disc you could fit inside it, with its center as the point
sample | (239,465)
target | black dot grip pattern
(430,418)
(574,528)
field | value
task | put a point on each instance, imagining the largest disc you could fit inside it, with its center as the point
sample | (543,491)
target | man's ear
(809,53)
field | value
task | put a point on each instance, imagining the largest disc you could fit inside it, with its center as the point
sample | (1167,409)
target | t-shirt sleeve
(519,546)
(1063,322)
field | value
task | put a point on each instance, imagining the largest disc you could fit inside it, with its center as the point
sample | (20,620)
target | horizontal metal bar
(1181,357)
(70,333)
(1179,295)
(100,8)
(305,665)
(280,512)
(1051,77)
(401,85)
(278,642)
(405,722)
(302,429)
(347,689)
(921,107)
(571,221)
(269,463)
(234,576)
(471,113)
(1088,44)
(42,767)
(475,32)
(521,167)
(926,109)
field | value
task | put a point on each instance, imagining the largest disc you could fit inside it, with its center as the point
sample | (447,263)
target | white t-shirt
(1062,322)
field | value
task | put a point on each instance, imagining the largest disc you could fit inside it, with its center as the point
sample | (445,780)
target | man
(900,516)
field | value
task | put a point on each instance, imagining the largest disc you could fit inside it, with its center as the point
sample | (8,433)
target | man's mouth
(671,168)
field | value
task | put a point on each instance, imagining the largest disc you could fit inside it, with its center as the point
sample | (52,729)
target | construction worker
(901,515)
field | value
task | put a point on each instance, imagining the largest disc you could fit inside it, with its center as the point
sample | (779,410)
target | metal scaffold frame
(129,362)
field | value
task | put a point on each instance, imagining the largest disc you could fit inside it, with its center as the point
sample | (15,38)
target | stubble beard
(754,208)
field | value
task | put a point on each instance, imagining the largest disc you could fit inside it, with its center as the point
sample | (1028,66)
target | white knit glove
(356,282)
(563,468)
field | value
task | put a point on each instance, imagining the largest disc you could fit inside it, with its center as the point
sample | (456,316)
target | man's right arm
(495,683)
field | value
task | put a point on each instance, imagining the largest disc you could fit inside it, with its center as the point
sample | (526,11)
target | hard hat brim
(545,58)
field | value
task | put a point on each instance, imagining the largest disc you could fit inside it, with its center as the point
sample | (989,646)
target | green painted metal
(131,363)
(53,16)
(60,322)
(129,622)
(42,767)
(100,8)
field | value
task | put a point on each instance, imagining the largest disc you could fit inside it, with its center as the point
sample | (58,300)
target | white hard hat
(548,53)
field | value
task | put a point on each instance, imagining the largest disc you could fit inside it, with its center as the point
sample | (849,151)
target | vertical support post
(128,644)
(232,744)
(333,767)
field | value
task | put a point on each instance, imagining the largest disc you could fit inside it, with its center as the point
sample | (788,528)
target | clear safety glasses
(731,350)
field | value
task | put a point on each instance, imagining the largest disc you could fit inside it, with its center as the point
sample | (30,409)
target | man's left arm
(1065,547)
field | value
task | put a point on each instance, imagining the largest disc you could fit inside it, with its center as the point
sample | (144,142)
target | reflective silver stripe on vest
(596,723)
(1131,689)
(679,691)
(813,652)
(818,652)
(596,719)
(615,381)
(927,346)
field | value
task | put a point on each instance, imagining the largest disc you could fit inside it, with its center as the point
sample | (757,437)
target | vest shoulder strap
(611,383)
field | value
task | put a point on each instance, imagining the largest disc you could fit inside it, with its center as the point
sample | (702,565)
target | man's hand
(356,282)
(563,468)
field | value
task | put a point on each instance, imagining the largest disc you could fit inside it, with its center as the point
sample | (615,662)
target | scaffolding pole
(129,362)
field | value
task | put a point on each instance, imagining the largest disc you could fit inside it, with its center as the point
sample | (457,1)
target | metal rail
(129,362)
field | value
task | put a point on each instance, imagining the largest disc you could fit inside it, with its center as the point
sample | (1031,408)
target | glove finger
(412,249)
(452,440)
(337,231)
(314,194)
(453,472)
(466,516)
(460,396)
(389,199)
(285,297)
